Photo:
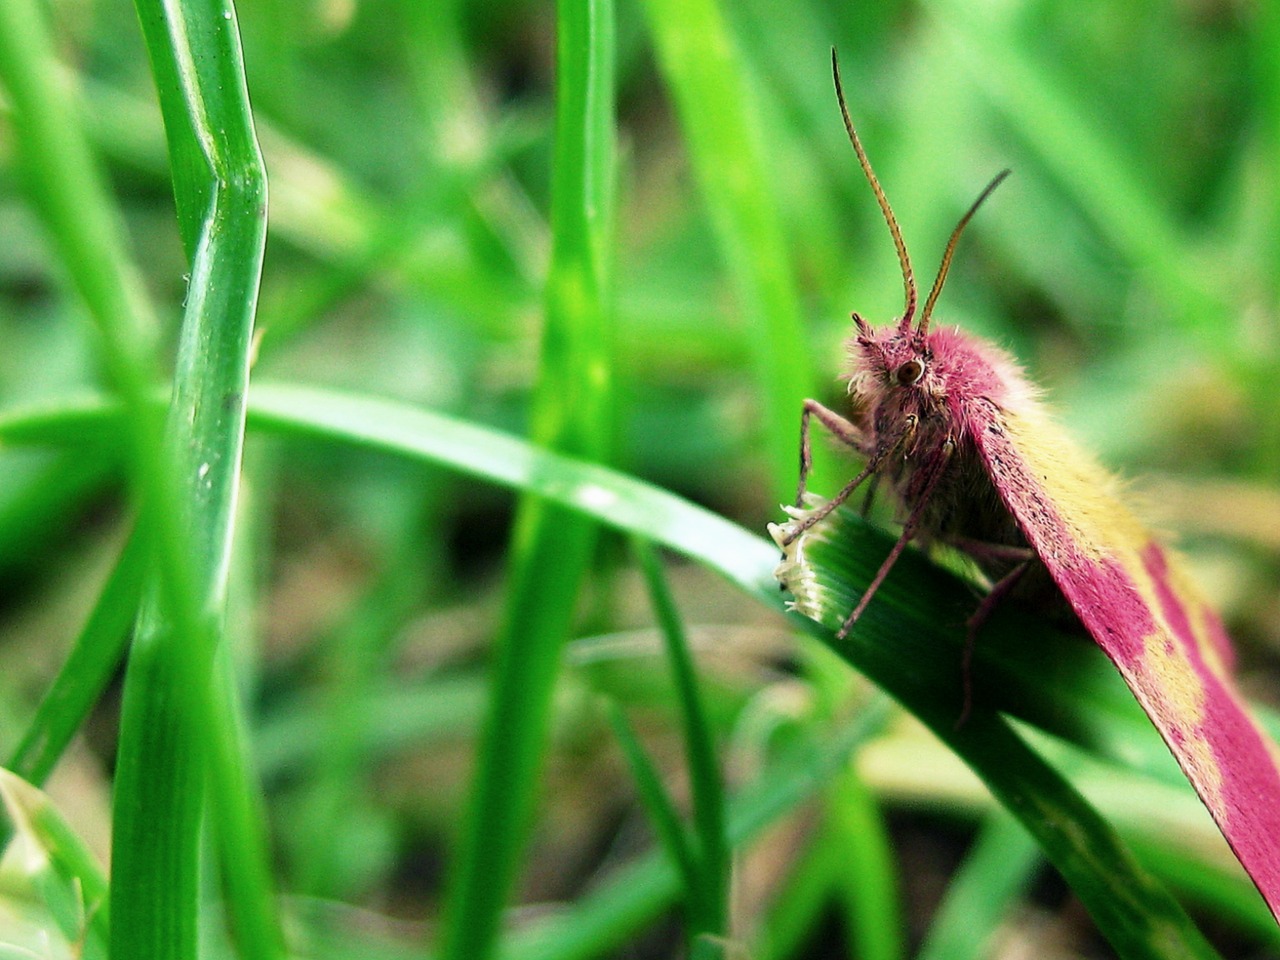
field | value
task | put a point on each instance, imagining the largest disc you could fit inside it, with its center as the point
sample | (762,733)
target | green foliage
(540,274)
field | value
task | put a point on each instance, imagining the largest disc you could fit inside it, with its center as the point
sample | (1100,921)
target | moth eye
(910,373)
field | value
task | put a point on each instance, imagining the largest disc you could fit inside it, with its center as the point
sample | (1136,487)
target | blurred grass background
(1130,262)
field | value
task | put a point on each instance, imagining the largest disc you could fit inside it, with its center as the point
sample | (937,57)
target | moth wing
(1145,612)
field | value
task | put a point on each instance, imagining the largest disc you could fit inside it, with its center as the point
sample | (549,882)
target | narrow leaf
(711,888)
(657,803)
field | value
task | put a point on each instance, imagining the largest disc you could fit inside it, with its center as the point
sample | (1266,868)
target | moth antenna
(951,248)
(908,278)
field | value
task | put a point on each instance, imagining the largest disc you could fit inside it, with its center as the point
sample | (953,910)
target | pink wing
(1144,611)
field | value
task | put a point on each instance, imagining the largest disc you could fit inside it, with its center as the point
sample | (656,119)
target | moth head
(891,357)
(906,324)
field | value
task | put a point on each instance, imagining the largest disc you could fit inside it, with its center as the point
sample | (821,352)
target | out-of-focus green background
(1131,262)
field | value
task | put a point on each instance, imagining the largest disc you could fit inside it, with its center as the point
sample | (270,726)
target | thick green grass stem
(73,202)
(176,735)
(85,232)
(551,547)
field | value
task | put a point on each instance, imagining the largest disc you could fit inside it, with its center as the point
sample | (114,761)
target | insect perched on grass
(952,426)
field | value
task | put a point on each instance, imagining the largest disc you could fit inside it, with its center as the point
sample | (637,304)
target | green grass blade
(551,547)
(868,882)
(662,812)
(625,503)
(709,906)
(1134,912)
(425,436)
(996,870)
(240,824)
(414,187)
(72,200)
(713,93)
(210,163)
(173,725)
(902,644)
(88,669)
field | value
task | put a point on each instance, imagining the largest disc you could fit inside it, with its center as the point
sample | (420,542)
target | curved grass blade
(909,641)
(387,426)
(903,647)
(619,500)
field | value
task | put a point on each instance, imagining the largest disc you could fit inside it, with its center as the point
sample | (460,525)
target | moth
(951,425)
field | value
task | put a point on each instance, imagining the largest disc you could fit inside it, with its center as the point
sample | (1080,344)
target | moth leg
(998,592)
(869,499)
(817,516)
(908,533)
(848,433)
(982,550)
(842,429)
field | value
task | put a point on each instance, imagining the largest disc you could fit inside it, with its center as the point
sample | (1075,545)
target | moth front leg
(1018,561)
(846,431)
(999,591)
(984,551)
